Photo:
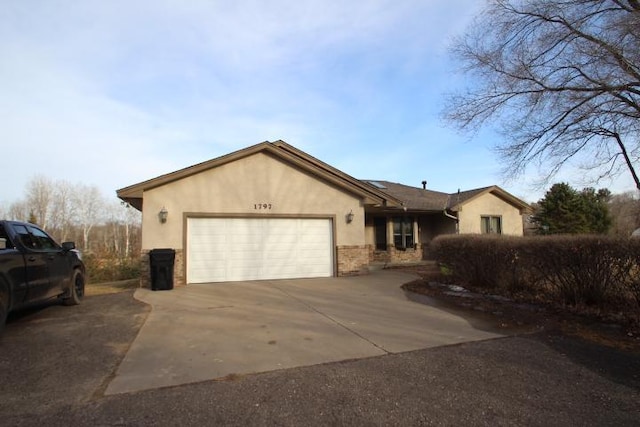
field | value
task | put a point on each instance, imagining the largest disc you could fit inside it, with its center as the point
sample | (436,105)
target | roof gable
(133,194)
(457,200)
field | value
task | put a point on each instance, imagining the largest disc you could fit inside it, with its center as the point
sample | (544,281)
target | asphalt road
(55,363)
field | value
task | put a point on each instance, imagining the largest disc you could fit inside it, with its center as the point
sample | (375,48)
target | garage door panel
(312,258)
(242,239)
(274,240)
(244,247)
(206,254)
(213,247)
(304,245)
(229,249)
(203,231)
(309,253)
(274,256)
(313,238)
(207,275)
(279,230)
(280,269)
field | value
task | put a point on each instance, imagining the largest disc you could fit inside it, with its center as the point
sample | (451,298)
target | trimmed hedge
(584,269)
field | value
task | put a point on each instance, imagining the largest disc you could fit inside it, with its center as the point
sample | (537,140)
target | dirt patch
(523,317)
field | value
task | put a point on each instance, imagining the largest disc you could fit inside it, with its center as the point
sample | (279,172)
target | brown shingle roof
(412,197)
(462,196)
(419,199)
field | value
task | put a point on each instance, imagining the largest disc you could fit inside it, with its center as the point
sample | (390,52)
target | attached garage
(235,249)
(266,212)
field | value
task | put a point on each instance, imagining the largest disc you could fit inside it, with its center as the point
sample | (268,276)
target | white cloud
(114,92)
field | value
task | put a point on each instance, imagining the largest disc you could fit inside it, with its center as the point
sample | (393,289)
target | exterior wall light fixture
(162,215)
(350,217)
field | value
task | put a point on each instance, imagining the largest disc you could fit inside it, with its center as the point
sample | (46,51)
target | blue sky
(110,93)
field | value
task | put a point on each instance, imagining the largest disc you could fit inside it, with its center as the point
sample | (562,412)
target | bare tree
(113,224)
(625,210)
(120,232)
(40,198)
(18,211)
(89,204)
(62,209)
(562,77)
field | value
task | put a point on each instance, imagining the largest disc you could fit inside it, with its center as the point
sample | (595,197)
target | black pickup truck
(34,268)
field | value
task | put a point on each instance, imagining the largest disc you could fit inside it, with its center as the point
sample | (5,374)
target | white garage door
(233,249)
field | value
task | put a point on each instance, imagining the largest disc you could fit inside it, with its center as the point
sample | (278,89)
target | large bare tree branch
(550,72)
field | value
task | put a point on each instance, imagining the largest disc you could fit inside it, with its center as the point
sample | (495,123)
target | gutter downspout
(448,215)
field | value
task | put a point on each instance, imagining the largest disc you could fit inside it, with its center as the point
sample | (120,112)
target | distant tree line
(81,213)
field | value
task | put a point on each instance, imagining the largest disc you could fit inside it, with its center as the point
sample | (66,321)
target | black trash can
(161,261)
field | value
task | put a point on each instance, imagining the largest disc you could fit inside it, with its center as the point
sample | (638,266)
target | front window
(403,232)
(491,224)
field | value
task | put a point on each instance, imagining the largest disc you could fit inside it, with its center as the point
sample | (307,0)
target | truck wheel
(76,289)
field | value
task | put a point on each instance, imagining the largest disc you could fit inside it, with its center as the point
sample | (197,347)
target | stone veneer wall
(178,269)
(407,255)
(145,270)
(352,260)
(393,255)
(179,272)
(376,255)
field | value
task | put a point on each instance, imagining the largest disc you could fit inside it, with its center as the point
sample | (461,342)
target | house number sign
(262,206)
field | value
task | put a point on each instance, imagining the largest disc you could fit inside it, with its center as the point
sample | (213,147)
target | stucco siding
(434,225)
(257,185)
(488,204)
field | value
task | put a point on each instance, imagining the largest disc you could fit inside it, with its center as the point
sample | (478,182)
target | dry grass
(111,287)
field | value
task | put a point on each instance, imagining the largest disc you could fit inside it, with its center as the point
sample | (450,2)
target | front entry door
(380,225)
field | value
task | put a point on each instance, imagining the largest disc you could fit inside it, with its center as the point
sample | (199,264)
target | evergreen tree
(596,209)
(564,210)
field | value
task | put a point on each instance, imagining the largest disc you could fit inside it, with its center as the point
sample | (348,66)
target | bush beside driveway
(593,274)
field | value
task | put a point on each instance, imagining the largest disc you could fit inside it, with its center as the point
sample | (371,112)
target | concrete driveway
(223,330)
